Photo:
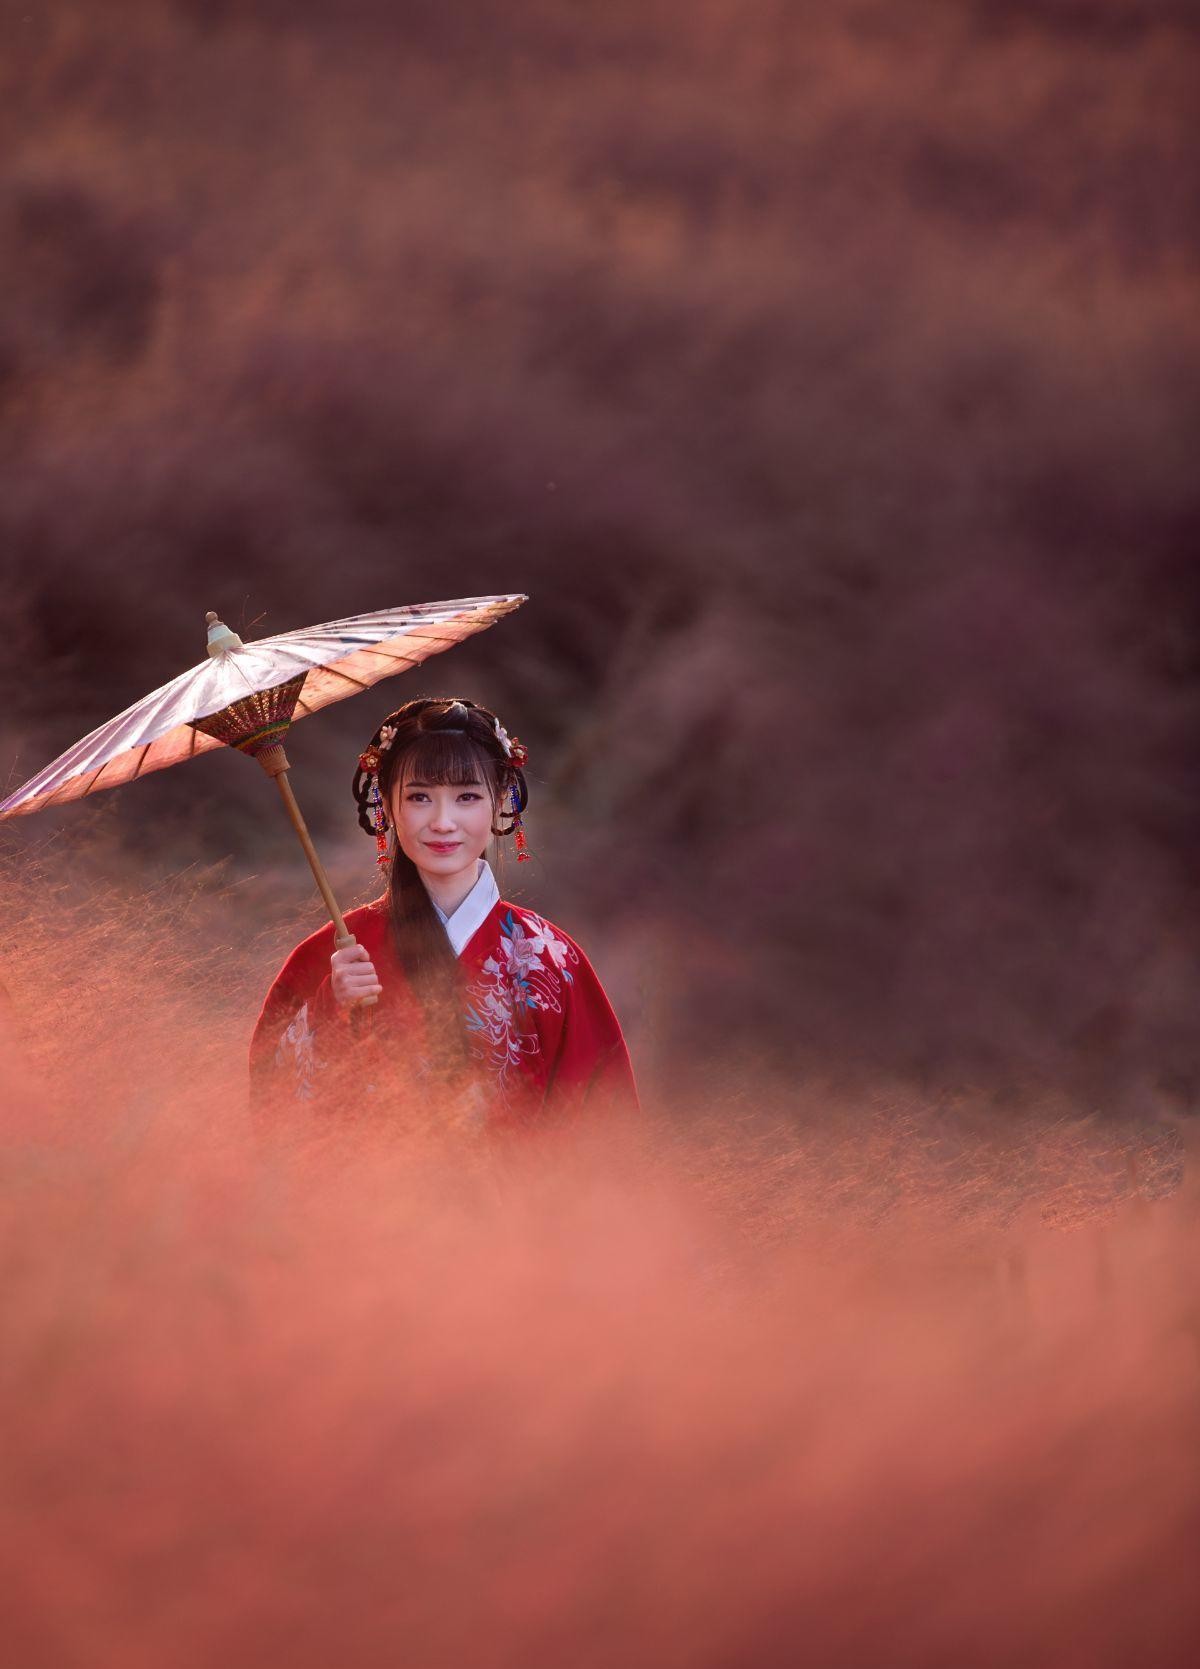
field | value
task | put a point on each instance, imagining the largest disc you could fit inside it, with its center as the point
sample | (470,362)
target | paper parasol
(247,695)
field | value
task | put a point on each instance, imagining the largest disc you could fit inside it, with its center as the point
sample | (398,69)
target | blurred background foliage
(826,373)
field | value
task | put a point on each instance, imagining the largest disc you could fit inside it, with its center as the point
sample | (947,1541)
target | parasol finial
(220,638)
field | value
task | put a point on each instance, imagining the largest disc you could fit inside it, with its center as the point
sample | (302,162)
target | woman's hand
(353,976)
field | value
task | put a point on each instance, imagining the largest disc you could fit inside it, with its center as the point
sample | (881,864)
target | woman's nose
(443,816)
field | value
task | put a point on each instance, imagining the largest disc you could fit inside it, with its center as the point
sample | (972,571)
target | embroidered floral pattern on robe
(528,972)
(296,1054)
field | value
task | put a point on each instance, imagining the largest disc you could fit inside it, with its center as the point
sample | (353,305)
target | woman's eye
(416,794)
(470,795)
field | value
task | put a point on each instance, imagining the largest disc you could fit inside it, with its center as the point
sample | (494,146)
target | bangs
(446,758)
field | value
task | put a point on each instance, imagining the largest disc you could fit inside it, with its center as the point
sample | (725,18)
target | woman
(452,1002)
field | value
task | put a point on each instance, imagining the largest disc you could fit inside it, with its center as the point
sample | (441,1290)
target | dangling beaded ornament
(518,830)
(380,821)
(517,754)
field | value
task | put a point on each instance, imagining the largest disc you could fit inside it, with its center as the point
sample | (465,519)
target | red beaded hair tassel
(381,839)
(518,830)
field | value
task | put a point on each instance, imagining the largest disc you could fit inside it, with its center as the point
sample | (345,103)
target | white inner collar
(474,910)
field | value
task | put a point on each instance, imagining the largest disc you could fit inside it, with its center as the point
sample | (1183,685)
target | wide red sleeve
(297,1026)
(591,1066)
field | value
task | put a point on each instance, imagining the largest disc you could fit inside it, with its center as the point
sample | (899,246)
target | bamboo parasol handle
(274,762)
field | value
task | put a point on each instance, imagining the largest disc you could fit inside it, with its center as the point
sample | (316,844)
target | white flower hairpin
(515,750)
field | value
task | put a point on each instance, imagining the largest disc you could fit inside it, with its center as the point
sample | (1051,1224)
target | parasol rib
(251,687)
(338,673)
(70,785)
(375,654)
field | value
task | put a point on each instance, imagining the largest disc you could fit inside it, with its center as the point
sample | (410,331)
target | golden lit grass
(776,1383)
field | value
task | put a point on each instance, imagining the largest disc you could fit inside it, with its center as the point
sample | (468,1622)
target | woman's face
(443,827)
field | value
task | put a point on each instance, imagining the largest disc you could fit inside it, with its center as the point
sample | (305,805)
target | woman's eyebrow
(415,782)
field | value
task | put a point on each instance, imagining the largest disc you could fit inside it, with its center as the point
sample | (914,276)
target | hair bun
(453,717)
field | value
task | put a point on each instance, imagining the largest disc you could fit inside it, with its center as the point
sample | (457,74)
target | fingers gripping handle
(342,941)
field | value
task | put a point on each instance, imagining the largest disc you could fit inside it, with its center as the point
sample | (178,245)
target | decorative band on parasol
(256,722)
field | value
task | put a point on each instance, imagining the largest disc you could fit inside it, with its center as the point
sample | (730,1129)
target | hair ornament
(372,757)
(515,750)
(519,839)
(379,818)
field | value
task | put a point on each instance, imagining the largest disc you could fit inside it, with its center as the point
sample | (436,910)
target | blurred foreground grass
(775,1378)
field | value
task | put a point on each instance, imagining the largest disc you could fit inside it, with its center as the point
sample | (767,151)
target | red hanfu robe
(543,1040)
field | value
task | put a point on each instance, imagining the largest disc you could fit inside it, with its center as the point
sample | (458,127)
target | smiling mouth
(443,845)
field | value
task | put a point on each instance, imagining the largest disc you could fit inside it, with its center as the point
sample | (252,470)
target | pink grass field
(774,1379)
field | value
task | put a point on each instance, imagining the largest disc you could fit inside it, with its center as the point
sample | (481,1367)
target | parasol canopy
(249,693)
